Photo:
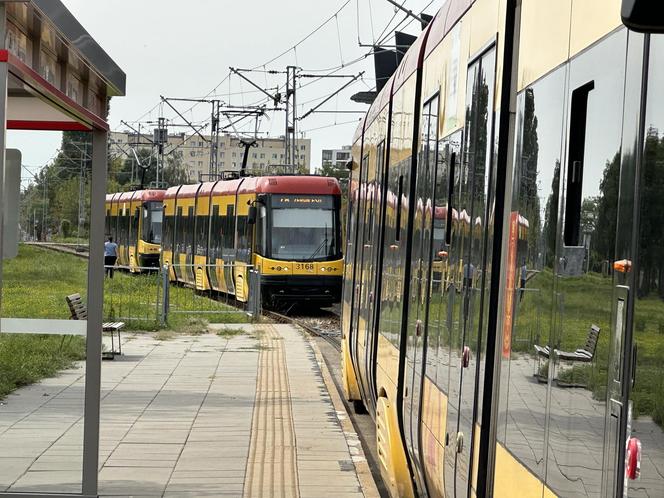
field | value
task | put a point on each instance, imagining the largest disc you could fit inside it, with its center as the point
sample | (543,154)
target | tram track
(326,327)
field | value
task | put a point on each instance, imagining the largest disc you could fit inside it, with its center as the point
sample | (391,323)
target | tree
(551,217)
(651,235)
(529,203)
(604,231)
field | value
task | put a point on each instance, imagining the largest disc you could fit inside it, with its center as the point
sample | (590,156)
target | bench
(585,354)
(79,311)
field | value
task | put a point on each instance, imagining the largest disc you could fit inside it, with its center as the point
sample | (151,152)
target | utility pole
(44,205)
(214,139)
(161,136)
(291,111)
(81,192)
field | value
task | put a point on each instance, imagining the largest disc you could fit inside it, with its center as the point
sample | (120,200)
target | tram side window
(261,230)
(167,234)
(201,235)
(243,237)
(107,223)
(179,232)
(133,232)
(121,227)
(114,227)
(229,228)
(189,231)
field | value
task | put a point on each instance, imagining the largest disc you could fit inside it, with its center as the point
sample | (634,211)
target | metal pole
(289,136)
(294,121)
(408,12)
(80,196)
(44,206)
(165,286)
(95,311)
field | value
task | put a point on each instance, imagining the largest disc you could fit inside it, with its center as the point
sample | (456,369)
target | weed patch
(230,332)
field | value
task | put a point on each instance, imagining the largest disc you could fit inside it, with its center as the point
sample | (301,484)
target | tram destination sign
(302,201)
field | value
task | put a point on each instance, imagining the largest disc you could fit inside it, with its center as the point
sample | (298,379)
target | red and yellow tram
(134,221)
(287,227)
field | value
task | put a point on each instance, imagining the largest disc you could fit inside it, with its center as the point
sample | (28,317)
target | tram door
(371,301)
(589,298)
(472,196)
(636,371)
(420,277)
(361,274)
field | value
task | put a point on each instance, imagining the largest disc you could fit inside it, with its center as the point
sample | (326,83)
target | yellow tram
(504,280)
(286,227)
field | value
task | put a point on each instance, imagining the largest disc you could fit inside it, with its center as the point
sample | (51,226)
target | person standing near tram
(110,256)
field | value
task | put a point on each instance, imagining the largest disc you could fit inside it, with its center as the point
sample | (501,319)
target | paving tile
(177,421)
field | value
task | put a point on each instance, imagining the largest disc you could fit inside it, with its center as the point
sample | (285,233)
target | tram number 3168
(304,266)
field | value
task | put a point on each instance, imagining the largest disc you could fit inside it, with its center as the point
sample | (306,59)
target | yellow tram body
(458,342)
(212,243)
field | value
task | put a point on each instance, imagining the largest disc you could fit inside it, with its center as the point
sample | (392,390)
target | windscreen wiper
(320,246)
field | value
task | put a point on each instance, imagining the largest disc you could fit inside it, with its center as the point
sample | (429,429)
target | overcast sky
(184,49)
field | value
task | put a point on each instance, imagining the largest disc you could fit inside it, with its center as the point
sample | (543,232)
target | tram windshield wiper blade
(320,246)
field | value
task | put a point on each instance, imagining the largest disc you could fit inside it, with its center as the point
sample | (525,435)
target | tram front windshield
(304,234)
(152,217)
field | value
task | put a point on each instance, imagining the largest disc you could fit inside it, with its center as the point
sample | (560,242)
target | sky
(184,49)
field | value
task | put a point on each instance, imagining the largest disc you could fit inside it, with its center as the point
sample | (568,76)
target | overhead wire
(309,130)
(318,28)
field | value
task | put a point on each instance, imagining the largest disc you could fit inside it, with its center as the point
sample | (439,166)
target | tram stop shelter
(55,76)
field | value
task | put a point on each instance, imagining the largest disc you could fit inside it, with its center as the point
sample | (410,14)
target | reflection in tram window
(531,254)
(648,323)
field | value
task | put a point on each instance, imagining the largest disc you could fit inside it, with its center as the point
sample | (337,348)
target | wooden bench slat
(79,311)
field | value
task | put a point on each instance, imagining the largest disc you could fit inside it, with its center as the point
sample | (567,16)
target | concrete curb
(362,469)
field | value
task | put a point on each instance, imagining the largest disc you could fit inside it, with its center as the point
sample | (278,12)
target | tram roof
(442,23)
(143,195)
(172,192)
(302,184)
(187,191)
(446,18)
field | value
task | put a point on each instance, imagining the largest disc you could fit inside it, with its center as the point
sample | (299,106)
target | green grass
(25,359)
(34,285)
(36,282)
(587,300)
(230,332)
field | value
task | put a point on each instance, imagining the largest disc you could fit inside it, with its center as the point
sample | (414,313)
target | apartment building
(264,158)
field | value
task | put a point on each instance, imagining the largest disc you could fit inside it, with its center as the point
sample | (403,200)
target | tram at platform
(503,301)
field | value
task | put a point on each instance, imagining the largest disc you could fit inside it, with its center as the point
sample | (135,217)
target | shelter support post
(95,310)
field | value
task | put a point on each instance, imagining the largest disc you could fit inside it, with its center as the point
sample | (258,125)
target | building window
(234,154)
(262,156)
(262,165)
(274,156)
(302,157)
(327,155)
(200,163)
(254,155)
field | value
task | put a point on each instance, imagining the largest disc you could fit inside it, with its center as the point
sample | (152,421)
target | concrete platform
(211,415)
